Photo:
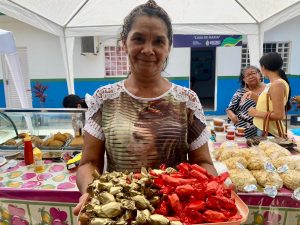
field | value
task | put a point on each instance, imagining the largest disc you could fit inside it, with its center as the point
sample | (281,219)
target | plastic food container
(218,122)
(220,137)
(230,137)
(219,129)
(238,134)
(230,132)
(241,129)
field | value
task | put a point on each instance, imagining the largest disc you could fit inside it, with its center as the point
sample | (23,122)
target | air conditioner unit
(89,45)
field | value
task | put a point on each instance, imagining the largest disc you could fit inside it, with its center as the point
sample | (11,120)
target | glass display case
(49,128)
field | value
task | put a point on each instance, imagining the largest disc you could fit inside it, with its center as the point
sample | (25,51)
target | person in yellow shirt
(279,91)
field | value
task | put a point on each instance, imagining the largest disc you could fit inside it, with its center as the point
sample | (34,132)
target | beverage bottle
(38,160)
(28,151)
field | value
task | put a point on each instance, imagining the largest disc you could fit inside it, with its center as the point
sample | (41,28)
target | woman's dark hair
(243,71)
(151,9)
(72,101)
(273,62)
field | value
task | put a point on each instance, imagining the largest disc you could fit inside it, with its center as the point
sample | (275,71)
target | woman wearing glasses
(251,81)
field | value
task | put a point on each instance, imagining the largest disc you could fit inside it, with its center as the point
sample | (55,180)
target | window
(116,63)
(283,48)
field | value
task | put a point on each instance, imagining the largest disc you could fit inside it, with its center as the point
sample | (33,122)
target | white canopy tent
(70,18)
(8,49)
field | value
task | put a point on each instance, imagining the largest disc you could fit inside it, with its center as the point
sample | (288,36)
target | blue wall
(57,90)
(2,97)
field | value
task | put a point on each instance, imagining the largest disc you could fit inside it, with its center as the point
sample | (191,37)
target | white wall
(44,52)
(228,61)
(289,31)
(179,62)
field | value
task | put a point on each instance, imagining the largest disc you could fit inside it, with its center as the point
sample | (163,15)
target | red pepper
(200,176)
(176,181)
(184,189)
(175,203)
(214,216)
(211,188)
(196,205)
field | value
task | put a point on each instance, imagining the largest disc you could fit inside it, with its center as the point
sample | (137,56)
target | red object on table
(28,150)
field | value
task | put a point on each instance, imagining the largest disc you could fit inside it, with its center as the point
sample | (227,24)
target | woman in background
(279,92)
(251,80)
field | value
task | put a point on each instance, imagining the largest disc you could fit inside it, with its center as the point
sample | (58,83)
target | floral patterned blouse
(146,132)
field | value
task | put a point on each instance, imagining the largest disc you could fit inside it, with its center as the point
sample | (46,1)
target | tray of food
(161,197)
(55,141)
(74,143)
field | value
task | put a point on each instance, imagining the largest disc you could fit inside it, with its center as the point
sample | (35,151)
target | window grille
(283,48)
(116,63)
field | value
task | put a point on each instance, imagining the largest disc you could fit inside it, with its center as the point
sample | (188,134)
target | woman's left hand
(252,111)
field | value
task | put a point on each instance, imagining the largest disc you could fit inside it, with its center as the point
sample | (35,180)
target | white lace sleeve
(192,101)
(201,140)
(92,126)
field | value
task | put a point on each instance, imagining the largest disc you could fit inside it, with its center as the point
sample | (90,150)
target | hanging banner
(200,41)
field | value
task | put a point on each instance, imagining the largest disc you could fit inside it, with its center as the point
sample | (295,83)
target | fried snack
(275,153)
(291,179)
(68,135)
(230,153)
(78,141)
(56,143)
(47,142)
(10,142)
(60,137)
(36,141)
(242,178)
(273,150)
(265,178)
(232,162)
(292,161)
(254,152)
(257,162)
(21,135)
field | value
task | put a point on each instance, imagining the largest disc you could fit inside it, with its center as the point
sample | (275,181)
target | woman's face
(147,46)
(252,77)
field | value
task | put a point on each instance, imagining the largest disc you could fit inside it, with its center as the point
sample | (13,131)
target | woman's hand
(234,119)
(247,95)
(252,112)
(82,199)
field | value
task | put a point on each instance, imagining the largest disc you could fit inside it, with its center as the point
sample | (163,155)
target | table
(33,198)
(264,210)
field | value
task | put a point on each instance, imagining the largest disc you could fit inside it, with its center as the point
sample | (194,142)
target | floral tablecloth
(46,198)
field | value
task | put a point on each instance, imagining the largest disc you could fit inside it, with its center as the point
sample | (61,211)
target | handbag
(282,138)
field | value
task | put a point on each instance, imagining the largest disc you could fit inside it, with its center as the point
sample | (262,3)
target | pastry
(78,141)
(60,137)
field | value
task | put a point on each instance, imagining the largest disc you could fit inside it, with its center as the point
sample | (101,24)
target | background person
(251,80)
(279,91)
(116,109)
(74,101)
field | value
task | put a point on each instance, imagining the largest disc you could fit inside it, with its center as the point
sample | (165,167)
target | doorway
(202,80)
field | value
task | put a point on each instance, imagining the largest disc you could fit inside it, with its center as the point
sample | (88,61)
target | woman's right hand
(82,199)
(234,119)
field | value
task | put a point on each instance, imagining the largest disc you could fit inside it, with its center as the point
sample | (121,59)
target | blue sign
(200,41)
